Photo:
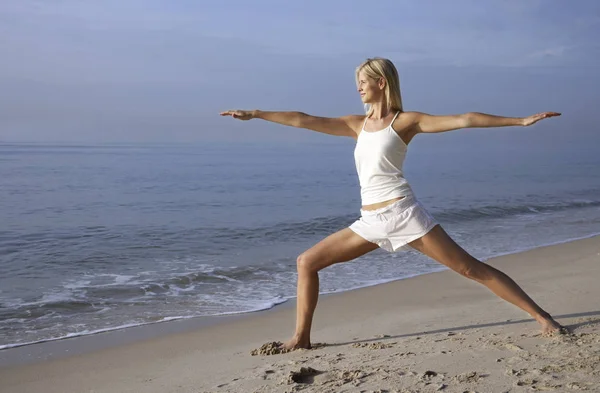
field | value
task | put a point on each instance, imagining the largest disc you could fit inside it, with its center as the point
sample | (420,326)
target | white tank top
(379,156)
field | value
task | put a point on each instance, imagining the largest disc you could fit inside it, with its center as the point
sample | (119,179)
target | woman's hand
(239,114)
(537,117)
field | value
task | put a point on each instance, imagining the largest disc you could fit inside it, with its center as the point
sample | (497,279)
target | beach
(149,238)
(434,332)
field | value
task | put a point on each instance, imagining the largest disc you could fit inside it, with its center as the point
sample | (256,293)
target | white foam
(77,284)
(69,335)
(86,332)
(122,279)
(175,290)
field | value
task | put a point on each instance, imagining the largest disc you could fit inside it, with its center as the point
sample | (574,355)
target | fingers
(236,114)
(544,115)
(531,120)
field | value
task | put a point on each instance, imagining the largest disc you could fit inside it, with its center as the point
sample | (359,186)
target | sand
(436,332)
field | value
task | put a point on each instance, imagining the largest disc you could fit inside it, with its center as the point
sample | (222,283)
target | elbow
(468,119)
(301,120)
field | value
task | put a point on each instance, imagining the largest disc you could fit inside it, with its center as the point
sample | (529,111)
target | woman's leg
(341,246)
(439,246)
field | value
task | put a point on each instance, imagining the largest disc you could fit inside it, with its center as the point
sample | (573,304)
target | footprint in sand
(516,373)
(513,347)
(526,382)
(305,376)
(469,377)
(430,377)
(375,345)
(354,377)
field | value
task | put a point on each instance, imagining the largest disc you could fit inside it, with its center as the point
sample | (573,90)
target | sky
(154,71)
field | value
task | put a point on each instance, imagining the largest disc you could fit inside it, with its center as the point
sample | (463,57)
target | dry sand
(437,332)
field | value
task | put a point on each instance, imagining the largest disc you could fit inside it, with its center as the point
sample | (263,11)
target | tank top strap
(390,125)
(364,123)
(394,119)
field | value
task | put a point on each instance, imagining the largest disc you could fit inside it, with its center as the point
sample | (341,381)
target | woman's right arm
(340,126)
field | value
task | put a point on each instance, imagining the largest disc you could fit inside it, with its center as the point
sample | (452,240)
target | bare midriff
(379,205)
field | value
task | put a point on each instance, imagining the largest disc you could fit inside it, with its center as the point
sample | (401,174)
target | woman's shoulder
(410,115)
(355,118)
(355,121)
(406,120)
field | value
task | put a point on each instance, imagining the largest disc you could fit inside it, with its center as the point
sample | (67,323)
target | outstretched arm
(341,126)
(429,123)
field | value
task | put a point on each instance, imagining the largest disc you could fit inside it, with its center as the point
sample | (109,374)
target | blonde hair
(376,68)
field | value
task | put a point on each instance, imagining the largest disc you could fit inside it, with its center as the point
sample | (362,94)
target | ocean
(100,237)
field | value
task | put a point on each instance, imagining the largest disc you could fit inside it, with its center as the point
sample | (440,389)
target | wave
(87,332)
(222,238)
(499,211)
(326,225)
(93,294)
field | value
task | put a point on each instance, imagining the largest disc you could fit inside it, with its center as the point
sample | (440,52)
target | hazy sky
(157,70)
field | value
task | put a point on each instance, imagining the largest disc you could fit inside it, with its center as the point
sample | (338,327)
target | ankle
(299,337)
(543,317)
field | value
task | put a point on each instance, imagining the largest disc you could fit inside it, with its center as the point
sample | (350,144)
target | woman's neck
(379,111)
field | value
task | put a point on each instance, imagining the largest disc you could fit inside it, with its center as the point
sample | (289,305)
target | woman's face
(370,90)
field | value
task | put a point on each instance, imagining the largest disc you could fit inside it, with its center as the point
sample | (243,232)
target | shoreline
(151,329)
(160,357)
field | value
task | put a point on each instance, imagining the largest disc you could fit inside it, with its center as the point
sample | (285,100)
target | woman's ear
(381,83)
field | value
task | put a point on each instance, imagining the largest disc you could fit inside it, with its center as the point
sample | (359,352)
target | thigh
(342,246)
(437,245)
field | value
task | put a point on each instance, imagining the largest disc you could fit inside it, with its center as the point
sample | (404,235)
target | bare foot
(296,343)
(550,327)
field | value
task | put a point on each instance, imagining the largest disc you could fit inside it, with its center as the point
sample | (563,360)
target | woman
(391,216)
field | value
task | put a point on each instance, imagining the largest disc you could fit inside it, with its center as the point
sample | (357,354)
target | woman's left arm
(430,123)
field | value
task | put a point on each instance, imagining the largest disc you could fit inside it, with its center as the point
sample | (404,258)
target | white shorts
(394,226)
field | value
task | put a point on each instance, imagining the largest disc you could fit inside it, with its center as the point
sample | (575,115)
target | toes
(563,330)
(559,330)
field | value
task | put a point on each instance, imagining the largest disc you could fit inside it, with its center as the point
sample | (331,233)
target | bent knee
(475,270)
(306,263)
(311,262)
(469,272)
